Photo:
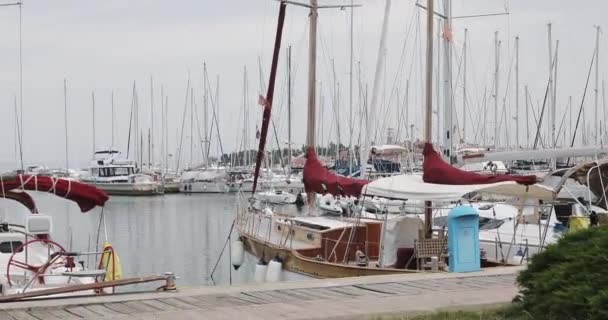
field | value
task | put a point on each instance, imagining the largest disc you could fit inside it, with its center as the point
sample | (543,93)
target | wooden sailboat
(353,246)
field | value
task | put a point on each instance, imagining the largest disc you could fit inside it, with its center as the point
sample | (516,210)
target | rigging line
(542,143)
(181,137)
(503,115)
(580,110)
(399,71)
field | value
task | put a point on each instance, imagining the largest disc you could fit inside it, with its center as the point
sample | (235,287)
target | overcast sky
(104,46)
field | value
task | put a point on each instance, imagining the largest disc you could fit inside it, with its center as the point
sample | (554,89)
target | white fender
(238,253)
(275,268)
(261,268)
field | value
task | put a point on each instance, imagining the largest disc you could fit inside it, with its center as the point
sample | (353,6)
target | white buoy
(261,268)
(238,253)
(275,268)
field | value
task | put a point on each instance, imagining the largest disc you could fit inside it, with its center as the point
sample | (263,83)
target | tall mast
(65,115)
(428,123)
(191,124)
(438,82)
(350,93)
(151,138)
(597,75)
(112,141)
(217,116)
(554,100)
(162,131)
(527,117)
(289,109)
(517,92)
(206,114)
(93,120)
(550,97)
(245,143)
(447,89)
(496,66)
(312,74)
(464,87)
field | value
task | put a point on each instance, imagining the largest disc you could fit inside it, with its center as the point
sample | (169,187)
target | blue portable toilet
(463,239)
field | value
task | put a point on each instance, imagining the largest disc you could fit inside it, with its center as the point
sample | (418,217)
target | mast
(350,93)
(596,91)
(151,138)
(438,82)
(554,100)
(112,141)
(245,159)
(164,164)
(527,117)
(517,92)
(312,74)
(217,118)
(376,87)
(93,121)
(289,109)
(428,123)
(206,114)
(496,66)
(20,3)
(267,102)
(65,115)
(550,97)
(447,89)
(191,124)
(464,87)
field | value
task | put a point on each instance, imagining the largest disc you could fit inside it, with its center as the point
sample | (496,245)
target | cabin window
(310,236)
(123,171)
(10,246)
(279,227)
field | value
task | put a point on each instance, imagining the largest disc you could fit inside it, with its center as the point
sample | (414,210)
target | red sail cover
(86,196)
(22,197)
(320,180)
(438,171)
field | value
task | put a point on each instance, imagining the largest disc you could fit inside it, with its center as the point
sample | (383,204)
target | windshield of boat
(115,171)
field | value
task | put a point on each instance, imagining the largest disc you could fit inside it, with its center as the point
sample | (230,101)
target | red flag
(262,101)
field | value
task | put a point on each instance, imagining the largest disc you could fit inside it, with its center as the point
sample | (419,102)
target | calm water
(180,233)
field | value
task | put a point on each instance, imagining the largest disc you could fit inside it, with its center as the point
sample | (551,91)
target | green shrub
(569,280)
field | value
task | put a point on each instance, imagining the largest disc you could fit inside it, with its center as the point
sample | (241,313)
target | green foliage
(512,312)
(569,280)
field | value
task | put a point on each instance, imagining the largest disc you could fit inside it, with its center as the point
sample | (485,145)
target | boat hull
(204,187)
(129,189)
(295,262)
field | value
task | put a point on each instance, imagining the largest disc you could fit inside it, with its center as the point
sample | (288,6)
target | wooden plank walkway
(315,299)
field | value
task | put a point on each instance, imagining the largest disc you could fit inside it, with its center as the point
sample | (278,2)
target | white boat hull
(203,187)
(129,189)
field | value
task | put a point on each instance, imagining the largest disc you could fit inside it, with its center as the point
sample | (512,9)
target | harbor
(301,159)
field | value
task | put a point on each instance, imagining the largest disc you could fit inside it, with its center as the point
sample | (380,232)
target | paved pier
(346,298)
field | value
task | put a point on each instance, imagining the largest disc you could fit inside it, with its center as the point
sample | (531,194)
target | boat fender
(261,268)
(237,254)
(275,266)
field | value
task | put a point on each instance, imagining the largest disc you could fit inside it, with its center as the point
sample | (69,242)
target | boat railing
(345,250)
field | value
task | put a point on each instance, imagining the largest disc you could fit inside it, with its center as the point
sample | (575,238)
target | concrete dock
(345,298)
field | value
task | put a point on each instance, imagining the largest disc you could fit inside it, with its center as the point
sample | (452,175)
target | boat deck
(345,298)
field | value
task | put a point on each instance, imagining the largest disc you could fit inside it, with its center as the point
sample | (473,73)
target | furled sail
(319,179)
(436,170)
(86,196)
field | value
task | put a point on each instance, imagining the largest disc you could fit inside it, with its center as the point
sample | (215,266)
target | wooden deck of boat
(346,298)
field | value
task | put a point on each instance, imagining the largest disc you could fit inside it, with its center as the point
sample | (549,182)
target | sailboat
(355,246)
(30,260)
